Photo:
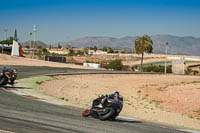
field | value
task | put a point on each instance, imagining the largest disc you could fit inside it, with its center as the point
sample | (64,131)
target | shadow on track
(14,88)
(126,121)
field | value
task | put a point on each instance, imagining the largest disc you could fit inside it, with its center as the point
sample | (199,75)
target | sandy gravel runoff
(168,99)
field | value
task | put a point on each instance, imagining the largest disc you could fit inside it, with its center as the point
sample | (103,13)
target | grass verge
(30,86)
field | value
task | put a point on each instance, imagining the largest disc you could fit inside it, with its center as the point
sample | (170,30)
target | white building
(58,51)
(98,52)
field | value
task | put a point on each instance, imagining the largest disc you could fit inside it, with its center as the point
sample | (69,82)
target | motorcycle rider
(13,73)
(115,95)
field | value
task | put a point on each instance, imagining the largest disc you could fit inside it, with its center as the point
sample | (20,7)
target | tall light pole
(166,57)
(34,31)
(30,33)
(133,46)
(6,33)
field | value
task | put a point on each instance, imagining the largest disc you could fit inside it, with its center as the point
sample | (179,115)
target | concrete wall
(94,65)
(178,67)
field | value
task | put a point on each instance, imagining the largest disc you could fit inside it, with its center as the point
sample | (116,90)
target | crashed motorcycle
(8,76)
(111,109)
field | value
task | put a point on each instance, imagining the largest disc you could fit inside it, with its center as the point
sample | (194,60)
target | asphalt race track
(23,115)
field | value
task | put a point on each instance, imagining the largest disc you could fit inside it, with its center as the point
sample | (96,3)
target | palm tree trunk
(141,69)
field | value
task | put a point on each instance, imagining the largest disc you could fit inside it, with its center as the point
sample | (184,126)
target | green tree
(95,48)
(110,50)
(71,52)
(59,46)
(143,44)
(104,49)
(27,46)
(8,41)
(44,50)
(116,65)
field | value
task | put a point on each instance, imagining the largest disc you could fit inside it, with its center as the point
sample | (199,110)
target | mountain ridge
(37,44)
(188,45)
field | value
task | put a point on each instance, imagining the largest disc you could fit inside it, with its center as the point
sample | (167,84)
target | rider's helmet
(116,94)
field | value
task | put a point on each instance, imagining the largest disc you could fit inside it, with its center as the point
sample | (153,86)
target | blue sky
(64,20)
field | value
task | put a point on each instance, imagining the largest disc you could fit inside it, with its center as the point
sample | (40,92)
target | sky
(65,20)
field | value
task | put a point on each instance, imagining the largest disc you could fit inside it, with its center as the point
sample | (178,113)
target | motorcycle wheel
(3,81)
(107,115)
(113,118)
(86,113)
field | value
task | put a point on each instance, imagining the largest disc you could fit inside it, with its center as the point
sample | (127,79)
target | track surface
(22,115)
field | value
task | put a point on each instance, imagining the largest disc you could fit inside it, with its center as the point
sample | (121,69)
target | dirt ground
(13,60)
(167,99)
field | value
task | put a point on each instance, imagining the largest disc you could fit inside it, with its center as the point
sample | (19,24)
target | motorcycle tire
(86,113)
(108,115)
(3,81)
(113,118)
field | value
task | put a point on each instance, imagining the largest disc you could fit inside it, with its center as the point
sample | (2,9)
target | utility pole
(30,33)
(6,32)
(166,57)
(34,31)
(133,47)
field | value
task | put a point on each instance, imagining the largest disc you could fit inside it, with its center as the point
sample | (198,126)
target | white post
(183,61)
(34,31)
(133,47)
(166,58)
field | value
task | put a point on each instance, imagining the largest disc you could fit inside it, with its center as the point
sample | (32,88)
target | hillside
(7,60)
(177,45)
(37,44)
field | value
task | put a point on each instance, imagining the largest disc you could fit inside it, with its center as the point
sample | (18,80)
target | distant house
(6,45)
(118,51)
(98,52)
(77,50)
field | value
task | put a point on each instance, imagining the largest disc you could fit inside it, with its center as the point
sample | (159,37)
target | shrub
(196,72)
(188,71)
(169,69)
(116,65)
(157,68)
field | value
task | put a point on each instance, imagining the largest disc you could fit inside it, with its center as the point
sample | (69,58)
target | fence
(55,59)
(6,50)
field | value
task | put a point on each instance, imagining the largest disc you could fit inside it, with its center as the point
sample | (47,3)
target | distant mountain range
(176,45)
(37,44)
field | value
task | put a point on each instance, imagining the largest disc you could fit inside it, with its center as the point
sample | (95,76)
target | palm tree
(143,44)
